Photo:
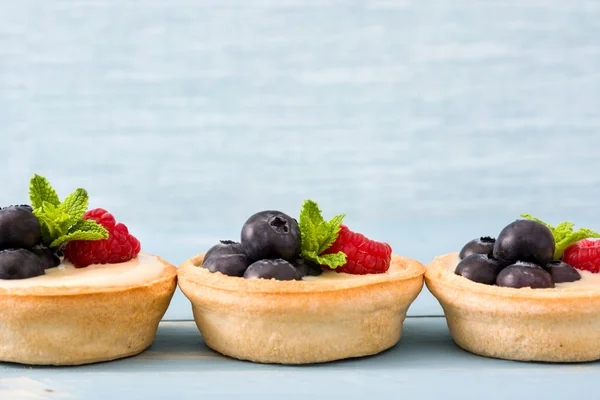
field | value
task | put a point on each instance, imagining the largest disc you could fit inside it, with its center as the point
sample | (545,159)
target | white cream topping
(142,269)
(588,279)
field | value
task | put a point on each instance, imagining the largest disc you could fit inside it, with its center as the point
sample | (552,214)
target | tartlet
(297,322)
(102,317)
(298,292)
(560,323)
(74,287)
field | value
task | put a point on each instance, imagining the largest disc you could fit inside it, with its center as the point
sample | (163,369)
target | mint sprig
(62,222)
(564,236)
(318,235)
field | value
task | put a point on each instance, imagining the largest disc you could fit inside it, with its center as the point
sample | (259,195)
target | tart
(74,286)
(325,299)
(523,296)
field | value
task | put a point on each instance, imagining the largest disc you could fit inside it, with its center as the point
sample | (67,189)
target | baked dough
(554,325)
(297,322)
(74,325)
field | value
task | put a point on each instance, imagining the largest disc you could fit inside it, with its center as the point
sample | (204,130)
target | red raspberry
(363,256)
(119,247)
(584,255)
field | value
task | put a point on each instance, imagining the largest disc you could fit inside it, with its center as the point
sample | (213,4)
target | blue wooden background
(427,122)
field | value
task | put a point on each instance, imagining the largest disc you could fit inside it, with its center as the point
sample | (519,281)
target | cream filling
(145,268)
(588,279)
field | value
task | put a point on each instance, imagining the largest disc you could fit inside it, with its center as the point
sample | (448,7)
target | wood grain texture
(427,122)
(425,364)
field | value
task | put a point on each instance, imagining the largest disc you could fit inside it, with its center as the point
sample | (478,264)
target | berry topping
(479,268)
(307,267)
(525,240)
(363,256)
(120,246)
(584,255)
(562,272)
(19,228)
(47,256)
(524,274)
(224,247)
(564,236)
(482,245)
(278,269)
(19,264)
(227,264)
(318,235)
(62,221)
(271,234)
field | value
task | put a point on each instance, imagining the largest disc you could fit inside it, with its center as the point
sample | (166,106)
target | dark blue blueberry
(19,228)
(278,269)
(271,234)
(525,240)
(482,245)
(479,268)
(19,264)
(227,264)
(525,274)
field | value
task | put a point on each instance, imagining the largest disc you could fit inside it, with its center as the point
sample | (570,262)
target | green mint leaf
(88,225)
(318,235)
(329,232)
(62,222)
(331,260)
(564,236)
(75,204)
(40,190)
(78,235)
(310,218)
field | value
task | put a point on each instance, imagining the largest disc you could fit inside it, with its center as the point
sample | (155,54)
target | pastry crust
(81,325)
(553,325)
(299,322)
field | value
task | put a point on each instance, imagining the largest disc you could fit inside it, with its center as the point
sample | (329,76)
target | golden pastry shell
(553,325)
(297,322)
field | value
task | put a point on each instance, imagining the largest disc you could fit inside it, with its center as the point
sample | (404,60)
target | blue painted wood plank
(425,364)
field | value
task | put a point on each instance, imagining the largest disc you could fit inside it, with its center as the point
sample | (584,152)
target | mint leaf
(329,233)
(91,231)
(75,204)
(62,222)
(318,235)
(331,260)
(564,236)
(40,190)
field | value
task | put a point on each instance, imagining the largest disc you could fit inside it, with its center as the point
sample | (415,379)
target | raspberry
(363,256)
(120,246)
(584,255)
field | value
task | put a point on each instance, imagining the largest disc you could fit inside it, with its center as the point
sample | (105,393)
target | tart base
(85,326)
(549,325)
(301,322)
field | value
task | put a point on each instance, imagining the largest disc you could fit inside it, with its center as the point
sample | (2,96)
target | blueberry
(562,272)
(525,274)
(479,268)
(525,240)
(278,269)
(19,264)
(224,247)
(482,245)
(227,264)
(24,206)
(270,235)
(307,267)
(47,256)
(19,228)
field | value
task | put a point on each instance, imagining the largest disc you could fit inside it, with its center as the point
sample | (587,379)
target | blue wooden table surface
(427,122)
(425,364)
